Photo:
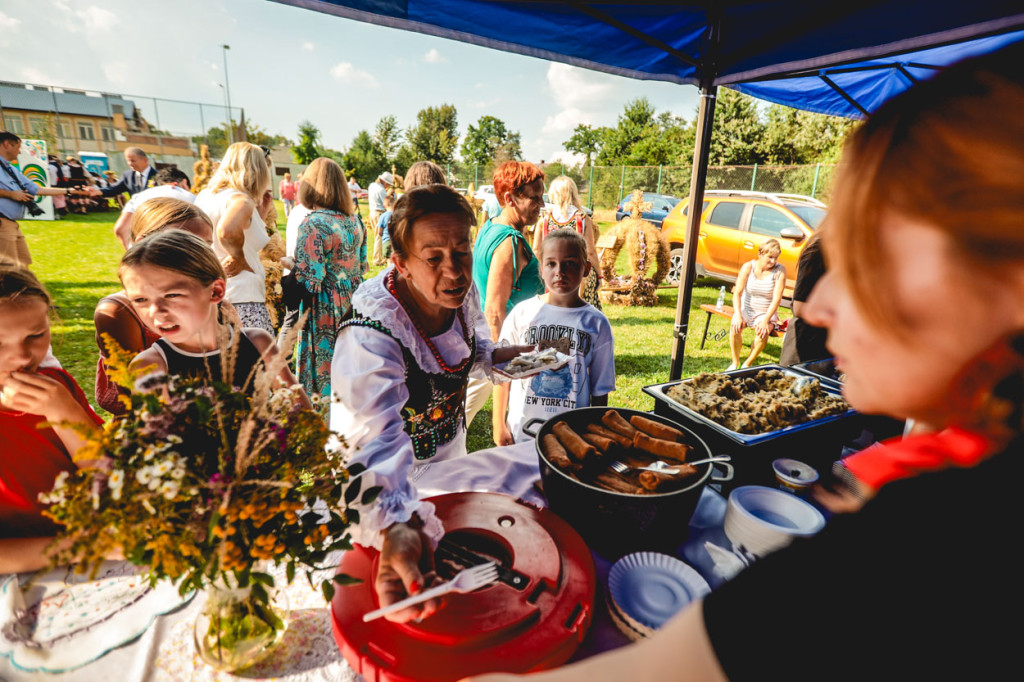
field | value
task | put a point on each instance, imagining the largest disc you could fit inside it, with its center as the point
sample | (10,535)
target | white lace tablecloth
(165,651)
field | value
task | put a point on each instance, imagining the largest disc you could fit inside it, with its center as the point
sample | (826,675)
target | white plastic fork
(661,467)
(466,581)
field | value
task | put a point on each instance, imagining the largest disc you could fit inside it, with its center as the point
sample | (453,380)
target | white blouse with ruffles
(368,382)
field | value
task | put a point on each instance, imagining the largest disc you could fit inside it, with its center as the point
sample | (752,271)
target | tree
(435,135)
(642,138)
(388,136)
(585,140)
(490,140)
(365,158)
(793,136)
(308,147)
(737,133)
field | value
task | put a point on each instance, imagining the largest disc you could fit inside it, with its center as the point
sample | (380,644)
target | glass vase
(236,628)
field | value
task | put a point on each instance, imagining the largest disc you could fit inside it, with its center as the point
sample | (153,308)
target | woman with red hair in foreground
(924,305)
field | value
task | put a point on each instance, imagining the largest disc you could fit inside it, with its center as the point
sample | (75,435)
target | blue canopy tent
(840,59)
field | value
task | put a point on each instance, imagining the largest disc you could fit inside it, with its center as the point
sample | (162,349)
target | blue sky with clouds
(288,64)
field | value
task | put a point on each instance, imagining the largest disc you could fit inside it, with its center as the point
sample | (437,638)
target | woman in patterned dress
(330,261)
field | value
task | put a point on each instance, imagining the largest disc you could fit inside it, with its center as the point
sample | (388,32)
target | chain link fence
(601,187)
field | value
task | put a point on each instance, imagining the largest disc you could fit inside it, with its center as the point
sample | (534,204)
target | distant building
(78,121)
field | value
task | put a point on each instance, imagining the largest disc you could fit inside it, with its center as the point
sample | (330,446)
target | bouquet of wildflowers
(203,484)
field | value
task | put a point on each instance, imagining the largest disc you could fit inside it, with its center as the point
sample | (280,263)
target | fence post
(753,179)
(476,175)
(449,172)
(590,190)
(660,167)
(814,188)
(622,183)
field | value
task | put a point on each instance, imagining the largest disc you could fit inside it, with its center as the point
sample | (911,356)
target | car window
(770,222)
(812,215)
(702,208)
(727,214)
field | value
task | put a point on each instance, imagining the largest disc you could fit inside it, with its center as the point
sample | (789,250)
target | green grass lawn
(77,260)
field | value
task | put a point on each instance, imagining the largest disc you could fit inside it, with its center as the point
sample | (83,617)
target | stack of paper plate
(646,589)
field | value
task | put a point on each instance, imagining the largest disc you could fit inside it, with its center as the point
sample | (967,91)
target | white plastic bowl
(761,519)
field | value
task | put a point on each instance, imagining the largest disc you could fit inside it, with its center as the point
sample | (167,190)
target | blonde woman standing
(568,214)
(237,200)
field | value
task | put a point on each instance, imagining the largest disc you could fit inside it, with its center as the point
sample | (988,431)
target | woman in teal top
(504,268)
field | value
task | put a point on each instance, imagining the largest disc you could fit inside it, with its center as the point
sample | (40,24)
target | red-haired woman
(504,267)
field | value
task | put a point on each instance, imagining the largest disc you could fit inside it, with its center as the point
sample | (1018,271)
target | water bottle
(721,299)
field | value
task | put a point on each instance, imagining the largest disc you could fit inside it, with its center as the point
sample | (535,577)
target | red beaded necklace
(389,283)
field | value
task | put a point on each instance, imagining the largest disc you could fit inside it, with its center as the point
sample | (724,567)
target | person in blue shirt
(16,192)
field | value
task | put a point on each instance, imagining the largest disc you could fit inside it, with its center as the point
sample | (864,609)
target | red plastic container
(533,618)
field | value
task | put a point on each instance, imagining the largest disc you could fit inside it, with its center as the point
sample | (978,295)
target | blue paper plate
(650,588)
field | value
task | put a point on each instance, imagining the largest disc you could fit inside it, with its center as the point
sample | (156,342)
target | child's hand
(502,436)
(38,394)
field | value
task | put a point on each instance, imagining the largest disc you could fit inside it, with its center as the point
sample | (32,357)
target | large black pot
(614,523)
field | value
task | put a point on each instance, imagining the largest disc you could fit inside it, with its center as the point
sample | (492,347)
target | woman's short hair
(19,285)
(244,168)
(512,176)
(161,212)
(323,185)
(564,193)
(176,250)
(770,247)
(424,173)
(425,200)
(948,152)
(569,235)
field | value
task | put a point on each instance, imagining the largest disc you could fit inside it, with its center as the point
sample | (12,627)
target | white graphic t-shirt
(585,335)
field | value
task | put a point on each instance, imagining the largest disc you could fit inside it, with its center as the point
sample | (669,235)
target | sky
(287,64)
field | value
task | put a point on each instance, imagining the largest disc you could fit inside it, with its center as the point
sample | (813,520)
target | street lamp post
(224,93)
(227,94)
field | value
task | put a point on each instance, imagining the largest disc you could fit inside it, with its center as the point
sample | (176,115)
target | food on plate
(579,449)
(608,433)
(661,448)
(659,481)
(756,403)
(587,453)
(532,360)
(614,421)
(655,429)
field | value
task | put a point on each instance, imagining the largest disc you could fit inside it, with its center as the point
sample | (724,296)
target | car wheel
(675,266)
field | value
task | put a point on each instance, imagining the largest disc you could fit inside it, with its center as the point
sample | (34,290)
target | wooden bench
(725,312)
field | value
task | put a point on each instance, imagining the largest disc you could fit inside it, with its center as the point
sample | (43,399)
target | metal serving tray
(658,391)
(823,370)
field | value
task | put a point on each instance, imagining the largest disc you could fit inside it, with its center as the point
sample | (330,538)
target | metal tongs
(466,581)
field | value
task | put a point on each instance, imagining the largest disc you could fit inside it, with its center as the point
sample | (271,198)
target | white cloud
(308,46)
(116,72)
(564,121)
(434,57)
(575,87)
(345,72)
(33,75)
(96,18)
(8,22)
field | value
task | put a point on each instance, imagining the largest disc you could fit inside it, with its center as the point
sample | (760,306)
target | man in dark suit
(140,176)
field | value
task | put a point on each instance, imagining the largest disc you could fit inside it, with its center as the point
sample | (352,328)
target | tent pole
(698,176)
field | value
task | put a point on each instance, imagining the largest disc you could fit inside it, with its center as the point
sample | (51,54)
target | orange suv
(733,226)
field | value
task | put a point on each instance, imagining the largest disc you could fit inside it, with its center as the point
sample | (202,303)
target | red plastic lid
(533,618)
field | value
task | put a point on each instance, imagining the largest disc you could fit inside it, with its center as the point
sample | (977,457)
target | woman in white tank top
(756,299)
(236,200)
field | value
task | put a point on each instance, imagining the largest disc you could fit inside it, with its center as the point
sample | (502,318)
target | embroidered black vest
(437,402)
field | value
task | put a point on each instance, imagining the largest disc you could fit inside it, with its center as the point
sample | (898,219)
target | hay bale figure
(202,170)
(645,245)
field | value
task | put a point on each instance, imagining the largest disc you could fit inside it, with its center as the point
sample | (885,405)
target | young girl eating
(32,453)
(176,285)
